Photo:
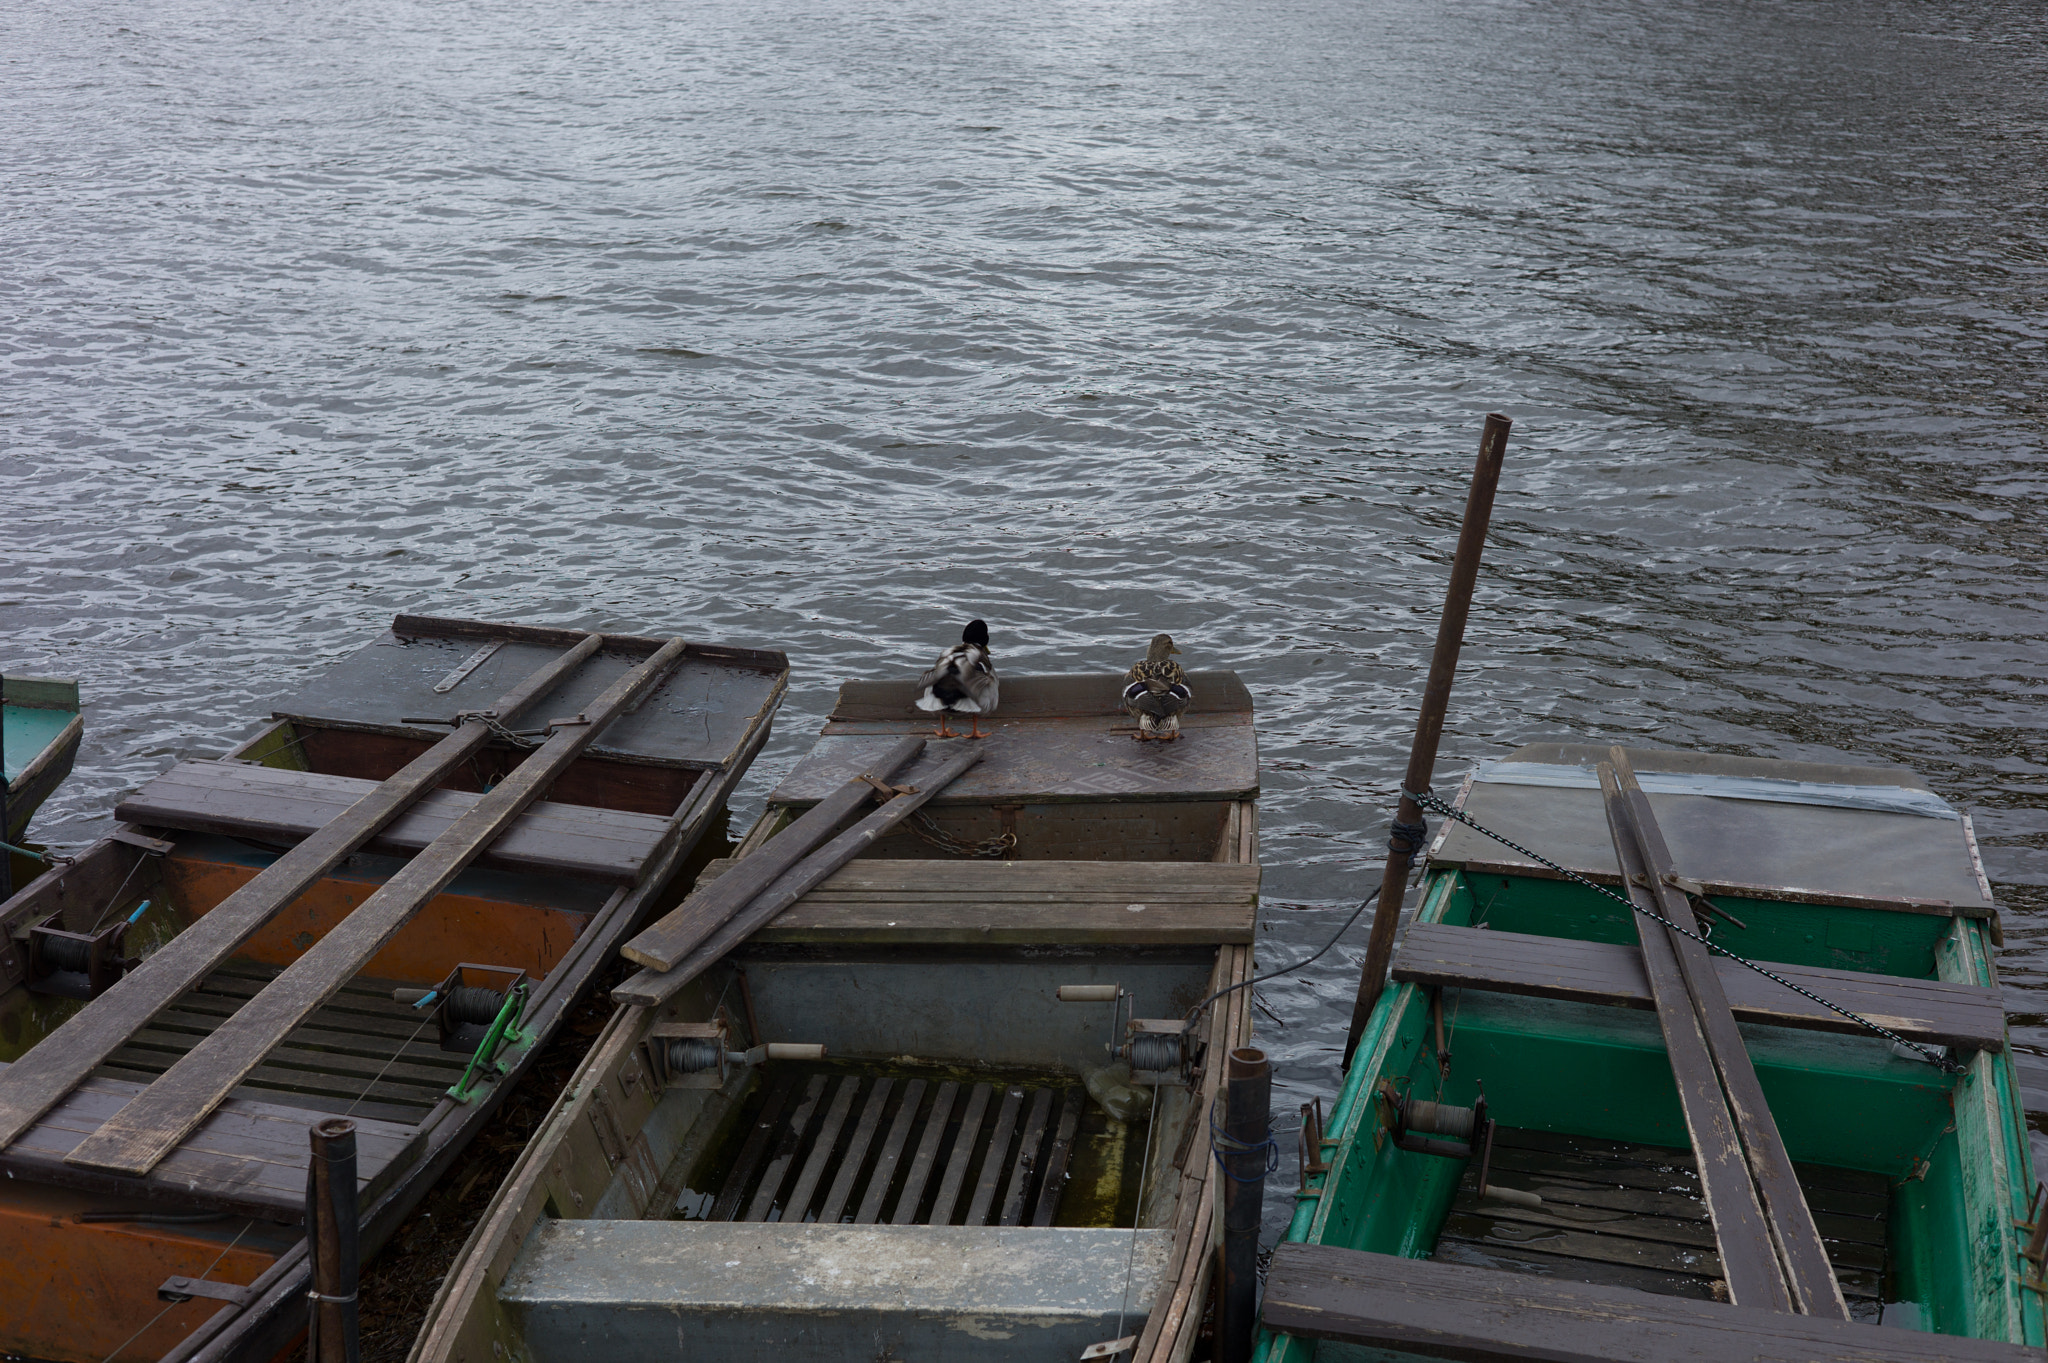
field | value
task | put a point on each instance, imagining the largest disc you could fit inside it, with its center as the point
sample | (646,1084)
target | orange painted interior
(451,929)
(76,1293)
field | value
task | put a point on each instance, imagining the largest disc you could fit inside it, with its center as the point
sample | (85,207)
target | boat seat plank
(1459,1312)
(884,900)
(273,805)
(248,1156)
(1937,1012)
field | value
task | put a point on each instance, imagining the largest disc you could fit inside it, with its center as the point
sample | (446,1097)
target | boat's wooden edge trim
(1458,1312)
(39,693)
(642,645)
(1786,894)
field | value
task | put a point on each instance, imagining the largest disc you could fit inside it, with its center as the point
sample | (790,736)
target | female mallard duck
(962,681)
(1156,691)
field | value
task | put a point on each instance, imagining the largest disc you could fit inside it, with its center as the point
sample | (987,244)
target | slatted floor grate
(864,1149)
(359,1052)
(1631,1216)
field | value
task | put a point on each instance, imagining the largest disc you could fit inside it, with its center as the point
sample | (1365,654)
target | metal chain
(923,825)
(1928,1053)
(490,721)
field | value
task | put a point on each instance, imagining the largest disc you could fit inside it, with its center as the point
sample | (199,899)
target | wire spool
(695,1054)
(67,953)
(468,1003)
(1155,1051)
(1441,1119)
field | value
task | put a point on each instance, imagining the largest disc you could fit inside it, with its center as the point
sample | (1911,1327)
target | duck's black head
(976,633)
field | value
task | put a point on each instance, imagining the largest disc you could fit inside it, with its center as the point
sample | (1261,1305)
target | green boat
(39,731)
(1515,1166)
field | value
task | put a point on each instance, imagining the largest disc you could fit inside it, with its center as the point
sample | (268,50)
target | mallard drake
(962,681)
(1156,691)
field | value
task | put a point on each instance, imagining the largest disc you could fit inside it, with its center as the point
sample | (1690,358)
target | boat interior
(942,1176)
(1524,989)
(537,912)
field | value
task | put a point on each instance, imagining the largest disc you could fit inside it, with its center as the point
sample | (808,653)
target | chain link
(1928,1053)
(921,824)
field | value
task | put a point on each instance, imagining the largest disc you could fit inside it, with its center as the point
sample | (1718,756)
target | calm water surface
(825,326)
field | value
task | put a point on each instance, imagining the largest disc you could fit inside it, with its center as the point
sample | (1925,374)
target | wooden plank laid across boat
(242,957)
(1613,1206)
(940,1182)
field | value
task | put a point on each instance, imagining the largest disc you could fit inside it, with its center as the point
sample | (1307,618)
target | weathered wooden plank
(1749,1256)
(651,988)
(787,1144)
(920,1171)
(1937,1012)
(813,1171)
(679,932)
(1452,1311)
(42,1077)
(754,1149)
(1055,1180)
(1801,1254)
(997,923)
(1200,879)
(956,1162)
(997,1159)
(870,1210)
(1027,1158)
(151,1126)
(856,1154)
(273,805)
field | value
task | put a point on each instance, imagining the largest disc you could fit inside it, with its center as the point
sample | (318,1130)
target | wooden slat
(997,1159)
(927,1154)
(1054,1182)
(870,1210)
(1027,1158)
(682,930)
(42,1077)
(1937,1012)
(1749,1257)
(754,1149)
(813,1171)
(856,1153)
(1452,1311)
(275,805)
(651,988)
(149,1127)
(1801,1254)
(787,1144)
(963,1149)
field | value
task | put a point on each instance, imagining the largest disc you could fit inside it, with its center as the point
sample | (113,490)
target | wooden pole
(1429,725)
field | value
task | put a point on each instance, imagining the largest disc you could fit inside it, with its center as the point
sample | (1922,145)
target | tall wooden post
(1429,726)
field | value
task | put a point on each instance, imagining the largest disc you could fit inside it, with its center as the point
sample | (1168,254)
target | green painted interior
(1602,1072)
(277,747)
(29,729)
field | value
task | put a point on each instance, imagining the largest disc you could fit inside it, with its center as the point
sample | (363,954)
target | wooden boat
(242,957)
(1576,1228)
(39,731)
(939,1184)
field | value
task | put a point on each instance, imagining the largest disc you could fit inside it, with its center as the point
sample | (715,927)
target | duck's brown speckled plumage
(1156,691)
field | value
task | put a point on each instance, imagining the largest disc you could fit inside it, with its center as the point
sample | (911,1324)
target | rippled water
(824,326)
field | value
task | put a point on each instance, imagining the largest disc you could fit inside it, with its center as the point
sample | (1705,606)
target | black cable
(1196,1011)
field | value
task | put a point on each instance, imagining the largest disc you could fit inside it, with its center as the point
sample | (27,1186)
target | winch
(1159,1050)
(699,1055)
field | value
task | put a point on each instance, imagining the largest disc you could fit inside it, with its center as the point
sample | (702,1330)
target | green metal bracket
(504,1032)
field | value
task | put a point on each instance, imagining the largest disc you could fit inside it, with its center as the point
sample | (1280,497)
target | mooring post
(6,857)
(1405,845)
(331,1233)
(1245,1154)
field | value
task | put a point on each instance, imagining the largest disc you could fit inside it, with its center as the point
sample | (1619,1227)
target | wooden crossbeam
(1416,1306)
(651,988)
(663,944)
(1801,1253)
(151,1126)
(33,1084)
(1749,1255)
(1935,1012)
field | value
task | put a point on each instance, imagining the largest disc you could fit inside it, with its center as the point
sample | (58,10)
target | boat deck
(1626,1215)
